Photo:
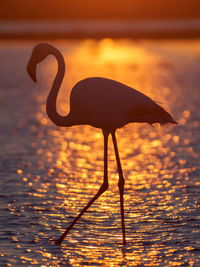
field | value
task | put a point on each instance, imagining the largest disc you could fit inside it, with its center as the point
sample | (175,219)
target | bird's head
(39,53)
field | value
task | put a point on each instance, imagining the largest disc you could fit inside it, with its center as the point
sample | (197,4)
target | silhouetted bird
(102,103)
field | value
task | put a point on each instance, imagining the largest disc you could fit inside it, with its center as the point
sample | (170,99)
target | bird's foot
(58,241)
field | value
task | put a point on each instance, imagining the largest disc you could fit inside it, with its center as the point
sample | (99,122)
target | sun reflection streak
(145,153)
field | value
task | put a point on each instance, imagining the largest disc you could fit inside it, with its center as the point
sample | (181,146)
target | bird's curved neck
(52,97)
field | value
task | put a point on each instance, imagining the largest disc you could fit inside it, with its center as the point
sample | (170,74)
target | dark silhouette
(102,103)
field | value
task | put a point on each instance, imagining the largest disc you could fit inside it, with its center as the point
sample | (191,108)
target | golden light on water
(65,167)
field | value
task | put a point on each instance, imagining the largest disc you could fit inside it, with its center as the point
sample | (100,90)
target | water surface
(48,173)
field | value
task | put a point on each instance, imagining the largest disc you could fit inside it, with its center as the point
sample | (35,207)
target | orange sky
(99,9)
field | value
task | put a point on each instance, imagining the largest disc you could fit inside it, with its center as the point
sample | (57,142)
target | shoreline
(78,29)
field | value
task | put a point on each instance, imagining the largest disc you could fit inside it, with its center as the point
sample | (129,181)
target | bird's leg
(102,189)
(121,186)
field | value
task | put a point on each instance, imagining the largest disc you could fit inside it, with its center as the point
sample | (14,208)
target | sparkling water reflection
(48,174)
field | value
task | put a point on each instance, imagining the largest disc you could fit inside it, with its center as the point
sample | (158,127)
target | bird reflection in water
(104,104)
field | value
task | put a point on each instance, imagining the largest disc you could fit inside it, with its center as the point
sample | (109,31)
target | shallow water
(48,173)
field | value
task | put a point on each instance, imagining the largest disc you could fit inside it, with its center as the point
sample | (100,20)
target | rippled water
(48,173)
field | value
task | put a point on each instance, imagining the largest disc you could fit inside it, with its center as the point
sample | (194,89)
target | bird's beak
(31,69)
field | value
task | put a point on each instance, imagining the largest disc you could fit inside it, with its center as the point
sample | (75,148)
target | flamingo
(102,103)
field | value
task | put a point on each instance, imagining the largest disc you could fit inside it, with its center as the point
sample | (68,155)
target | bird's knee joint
(104,186)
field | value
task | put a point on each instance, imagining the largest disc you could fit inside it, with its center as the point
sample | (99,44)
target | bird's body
(102,103)
(108,104)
